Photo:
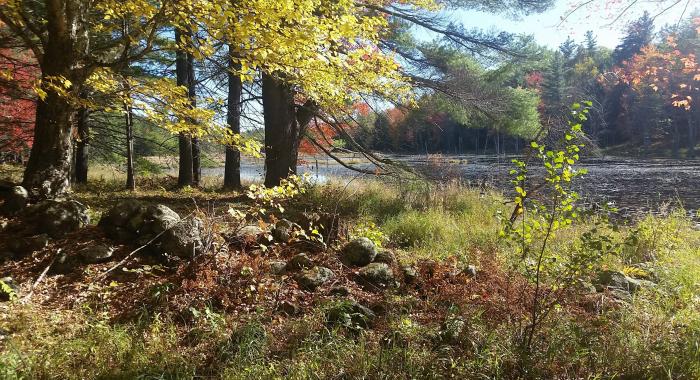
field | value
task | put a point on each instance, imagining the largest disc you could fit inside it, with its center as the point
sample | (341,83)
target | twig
(41,277)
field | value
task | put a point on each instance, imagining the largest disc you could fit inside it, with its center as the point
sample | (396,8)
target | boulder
(384,256)
(376,274)
(451,330)
(16,199)
(299,261)
(97,253)
(311,279)
(289,308)
(410,275)
(340,291)
(58,217)
(350,314)
(617,280)
(249,232)
(184,240)
(278,268)
(282,231)
(28,244)
(154,220)
(114,222)
(359,252)
(470,271)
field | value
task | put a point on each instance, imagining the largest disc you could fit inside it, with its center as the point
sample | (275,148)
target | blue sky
(547,29)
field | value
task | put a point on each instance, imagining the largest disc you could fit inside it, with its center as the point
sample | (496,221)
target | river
(633,185)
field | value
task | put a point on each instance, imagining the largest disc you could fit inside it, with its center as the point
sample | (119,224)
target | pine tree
(553,85)
(639,34)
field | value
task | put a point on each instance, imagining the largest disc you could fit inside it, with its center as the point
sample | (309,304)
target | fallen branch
(41,277)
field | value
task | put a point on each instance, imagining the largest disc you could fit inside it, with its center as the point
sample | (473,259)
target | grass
(417,333)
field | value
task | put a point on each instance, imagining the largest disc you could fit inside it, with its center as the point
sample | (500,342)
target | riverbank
(445,297)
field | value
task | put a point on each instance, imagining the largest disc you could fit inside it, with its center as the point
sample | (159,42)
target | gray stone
(451,330)
(289,308)
(278,268)
(384,256)
(96,254)
(359,252)
(249,231)
(28,244)
(470,271)
(350,315)
(114,222)
(410,275)
(377,274)
(617,280)
(299,261)
(16,199)
(183,240)
(282,231)
(58,217)
(155,219)
(341,291)
(311,279)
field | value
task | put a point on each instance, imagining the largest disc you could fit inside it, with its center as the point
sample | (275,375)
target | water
(632,184)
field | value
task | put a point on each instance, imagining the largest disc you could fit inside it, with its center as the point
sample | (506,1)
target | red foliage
(17,102)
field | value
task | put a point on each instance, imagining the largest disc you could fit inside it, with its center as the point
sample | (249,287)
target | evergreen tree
(553,85)
(639,34)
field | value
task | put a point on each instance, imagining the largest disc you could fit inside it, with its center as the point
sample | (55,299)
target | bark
(185,172)
(129,129)
(48,170)
(82,146)
(691,136)
(281,130)
(192,93)
(232,168)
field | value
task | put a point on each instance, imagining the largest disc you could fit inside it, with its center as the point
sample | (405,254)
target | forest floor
(457,306)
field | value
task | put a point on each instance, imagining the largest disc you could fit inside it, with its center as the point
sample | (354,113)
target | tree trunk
(129,129)
(281,130)
(232,168)
(47,174)
(185,172)
(82,146)
(192,93)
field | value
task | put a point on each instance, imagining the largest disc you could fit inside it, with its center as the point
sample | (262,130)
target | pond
(634,185)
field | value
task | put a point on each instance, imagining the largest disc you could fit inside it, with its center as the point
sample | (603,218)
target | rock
(617,280)
(96,254)
(377,274)
(351,315)
(7,255)
(3,225)
(282,231)
(311,279)
(620,295)
(470,271)
(278,268)
(183,240)
(58,217)
(645,271)
(410,275)
(289,308)
(114,222)
(451,330)
(585,287)
(9,290)
(359,252)
(29,244)
(16,199)
(384,256)
(249,232)
(299,261)
(340,291)
(154,220)
(64,263)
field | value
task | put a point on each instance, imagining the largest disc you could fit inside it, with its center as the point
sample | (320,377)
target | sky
(549,30)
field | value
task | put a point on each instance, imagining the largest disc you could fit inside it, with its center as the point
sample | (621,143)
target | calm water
(634,185)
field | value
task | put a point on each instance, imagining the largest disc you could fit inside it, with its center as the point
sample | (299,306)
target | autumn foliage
(17,104)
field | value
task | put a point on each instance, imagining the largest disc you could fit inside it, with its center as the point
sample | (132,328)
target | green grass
(656,336)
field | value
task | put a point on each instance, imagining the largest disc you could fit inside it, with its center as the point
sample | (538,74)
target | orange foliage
(670,72)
